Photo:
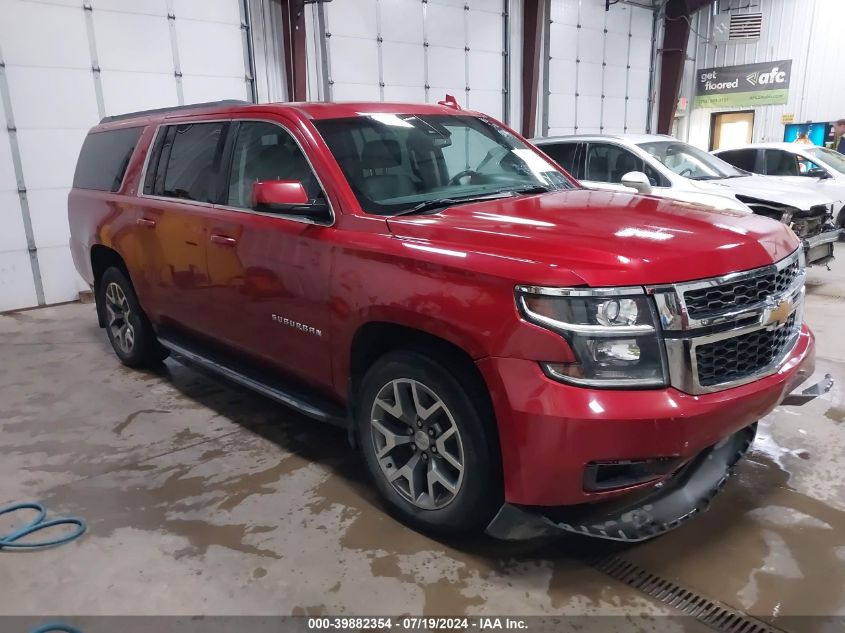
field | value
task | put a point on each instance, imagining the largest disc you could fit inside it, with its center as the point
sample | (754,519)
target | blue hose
(11,540)
(56,627)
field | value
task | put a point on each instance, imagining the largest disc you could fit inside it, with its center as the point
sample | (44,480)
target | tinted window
(780,163)
(189,161)
(690,162)
(264,151)
(395,162)
(104,158)
(742,158)
(562,153)
(608,163)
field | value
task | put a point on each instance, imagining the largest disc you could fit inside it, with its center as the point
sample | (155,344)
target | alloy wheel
(417,443)
(118,313)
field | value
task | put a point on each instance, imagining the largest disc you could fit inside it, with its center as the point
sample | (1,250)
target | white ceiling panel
(354,60)
(208,48)
(404,64)
(352,19)
(131,41)
(445,26)
(593,14)
(37,34)
(129,92)
(49,156)
(486,31)
(618,20)
(150,7)
(565,12)
(16,285)
(641,22)
(402,20)
(446,67)
(485,71)
(13,236)
(486,101)
(199,89)
(212,10)
(37,92)
(48,213)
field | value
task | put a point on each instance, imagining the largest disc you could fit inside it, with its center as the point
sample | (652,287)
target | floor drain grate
(709,612)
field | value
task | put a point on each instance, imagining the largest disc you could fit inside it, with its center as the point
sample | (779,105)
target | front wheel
(426,445)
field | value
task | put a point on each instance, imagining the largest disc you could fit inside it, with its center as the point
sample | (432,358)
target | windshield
(691,162)
(832,159)
(398,163)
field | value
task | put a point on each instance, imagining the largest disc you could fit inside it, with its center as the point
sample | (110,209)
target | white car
(664,166)
(819,167)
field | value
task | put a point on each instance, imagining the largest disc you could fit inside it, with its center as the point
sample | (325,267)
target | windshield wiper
(440,203)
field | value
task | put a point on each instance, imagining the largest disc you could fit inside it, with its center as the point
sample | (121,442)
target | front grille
(742,356)
(736,295)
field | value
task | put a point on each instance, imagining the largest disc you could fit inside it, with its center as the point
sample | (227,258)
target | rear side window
(742,158)
(563,154)
(104,158)
(186,162)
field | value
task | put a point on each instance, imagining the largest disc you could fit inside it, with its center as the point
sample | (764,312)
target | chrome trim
(585,329)
(609,383)
(822,238)
(582,292)
(294,218)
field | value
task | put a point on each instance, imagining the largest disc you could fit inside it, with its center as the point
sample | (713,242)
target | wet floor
(206,499)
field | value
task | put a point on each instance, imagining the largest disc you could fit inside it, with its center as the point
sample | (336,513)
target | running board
(303,404)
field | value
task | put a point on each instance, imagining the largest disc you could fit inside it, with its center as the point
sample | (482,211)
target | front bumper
(549,432)
(818,249)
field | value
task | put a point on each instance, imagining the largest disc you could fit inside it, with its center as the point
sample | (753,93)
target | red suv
(509,351)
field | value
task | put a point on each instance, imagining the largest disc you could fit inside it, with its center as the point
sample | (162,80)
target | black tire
(478,495)
(125,318)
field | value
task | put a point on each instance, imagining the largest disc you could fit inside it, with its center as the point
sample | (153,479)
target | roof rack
(189,106)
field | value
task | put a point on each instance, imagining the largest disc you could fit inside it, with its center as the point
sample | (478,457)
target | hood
(603,238)
(766,188)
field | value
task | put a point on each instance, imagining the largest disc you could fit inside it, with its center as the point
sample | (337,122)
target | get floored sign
(746,85)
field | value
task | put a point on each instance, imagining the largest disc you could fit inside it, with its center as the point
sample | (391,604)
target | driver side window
(266,151)
(780,163)
(609,163)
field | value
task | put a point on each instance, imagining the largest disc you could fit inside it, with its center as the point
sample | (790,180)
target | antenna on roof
(450,102)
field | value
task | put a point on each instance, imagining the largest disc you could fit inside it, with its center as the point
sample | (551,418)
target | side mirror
(637,180)
(818,172)
(287,196)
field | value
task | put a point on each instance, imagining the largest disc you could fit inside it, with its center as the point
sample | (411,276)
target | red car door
(270,272)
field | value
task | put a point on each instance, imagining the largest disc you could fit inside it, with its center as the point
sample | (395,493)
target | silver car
(664,166)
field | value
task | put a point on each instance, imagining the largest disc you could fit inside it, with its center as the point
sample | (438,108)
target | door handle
(146,222)
(223,240)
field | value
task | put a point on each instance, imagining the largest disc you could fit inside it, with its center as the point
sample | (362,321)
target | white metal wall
(809,32)
(66,66)
(598,70)
(417,51)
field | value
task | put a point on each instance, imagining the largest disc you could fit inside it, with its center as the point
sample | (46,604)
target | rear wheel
(426,444)
(128,328)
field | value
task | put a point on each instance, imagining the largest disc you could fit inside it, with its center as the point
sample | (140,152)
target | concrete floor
(206,499)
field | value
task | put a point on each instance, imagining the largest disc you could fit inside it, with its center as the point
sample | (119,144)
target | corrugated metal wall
(809,32)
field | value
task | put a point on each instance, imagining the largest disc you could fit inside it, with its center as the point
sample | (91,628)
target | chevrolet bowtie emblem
(779,314)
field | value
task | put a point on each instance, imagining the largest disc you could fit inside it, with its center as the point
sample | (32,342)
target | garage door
(597,79)
(431,48)
(67,66)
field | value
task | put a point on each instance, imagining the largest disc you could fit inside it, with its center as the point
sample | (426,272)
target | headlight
(612,332)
